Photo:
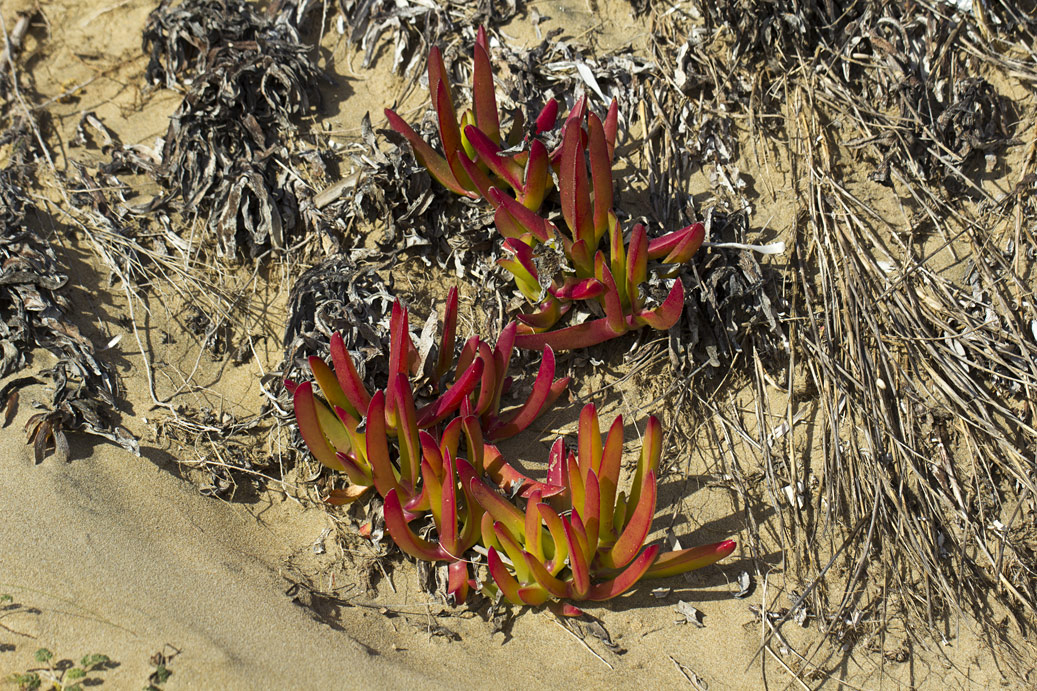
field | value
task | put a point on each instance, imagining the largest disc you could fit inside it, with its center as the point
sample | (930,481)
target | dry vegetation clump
(226,154)
(896,447)
(35,309)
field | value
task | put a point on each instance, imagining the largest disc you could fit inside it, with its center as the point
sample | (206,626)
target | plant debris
(34,313)
(225,151)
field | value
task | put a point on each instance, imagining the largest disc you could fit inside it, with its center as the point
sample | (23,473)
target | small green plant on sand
(61,675)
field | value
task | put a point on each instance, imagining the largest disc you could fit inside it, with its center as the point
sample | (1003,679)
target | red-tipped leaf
(537,402)
(502,577)
(378,447)
(673,563)
(451,400)
(665,315)
(351,383)
(457,581)
(631,575)
(309,426)
(547,117)
(484,97)
(497,506)
(436,164)
(404,537)
(633,537)
(581,579)
(601,174)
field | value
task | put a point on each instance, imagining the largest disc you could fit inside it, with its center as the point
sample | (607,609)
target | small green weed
(61,675)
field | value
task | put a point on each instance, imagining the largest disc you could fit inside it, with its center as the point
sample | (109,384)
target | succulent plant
(331,426)
(586,542)
(576,540)
(477,162)
(459,167)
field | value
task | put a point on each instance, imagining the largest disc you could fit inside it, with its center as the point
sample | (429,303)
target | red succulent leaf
(556,527)
(600,159)
(490,154)
(457,581)
(506,476)
(582,258)
(547,117)
(534,595)
(474,438)
(360,477)
(637,265)
(378,447)
(437,74)
(586,289)
(407,431)
(476,175)
(588,440)
(570,338)
(448,525)
(329,385)
(436,164)
(576,115)
(437,411)
(555,586)
(574,185)
(502,510)
(540,398)
(511,547)
(306,416)
(635,533)
(448,336)
(533,532)
(488,383)
(608,478)
(537,177)
(581,578)
(611,127)
(591,514)
(651,452)
(430,498)
(550,311)
(689,244)
(576,487)
(404,537)
(502,351)
(518,220)
(351,383)
(631,575)
(502,577)
(673,563)
(484,97)
(399,349)
(450,133)
(556,463)
(613,305)
(665,315)
(466,357)
(473,512)
(677,244)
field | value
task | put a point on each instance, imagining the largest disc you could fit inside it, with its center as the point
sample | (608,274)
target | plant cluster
(424,441)
(515,173)
(62,674)
(576,538)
